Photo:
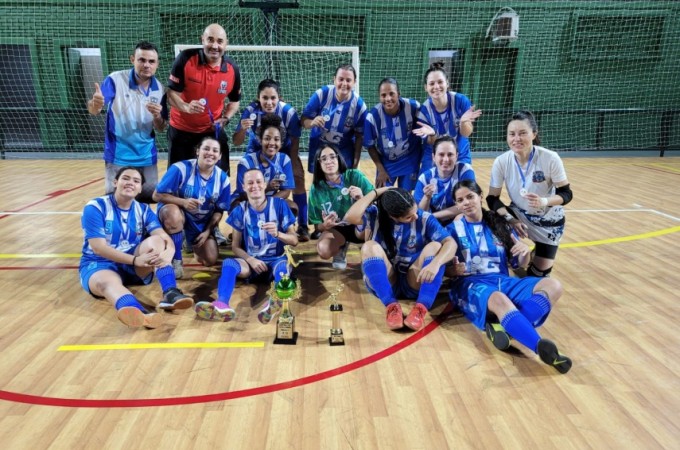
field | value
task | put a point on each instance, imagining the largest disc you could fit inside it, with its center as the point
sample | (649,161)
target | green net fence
(599,75)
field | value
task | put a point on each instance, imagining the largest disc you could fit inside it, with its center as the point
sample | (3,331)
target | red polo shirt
(195,79)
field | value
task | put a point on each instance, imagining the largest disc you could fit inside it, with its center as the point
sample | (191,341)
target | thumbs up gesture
(97,101)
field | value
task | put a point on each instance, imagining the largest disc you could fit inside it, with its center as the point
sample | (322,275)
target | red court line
(173,401)
(52,195)
(67,267)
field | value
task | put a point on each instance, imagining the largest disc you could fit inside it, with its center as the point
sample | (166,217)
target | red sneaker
(416,318)
(395,316)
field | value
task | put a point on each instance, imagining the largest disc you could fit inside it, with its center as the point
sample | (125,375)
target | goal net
(598,75)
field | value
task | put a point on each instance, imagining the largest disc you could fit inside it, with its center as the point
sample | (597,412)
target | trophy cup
(284,291)
(336,337)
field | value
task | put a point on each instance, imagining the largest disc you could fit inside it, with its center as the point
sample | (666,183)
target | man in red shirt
(204,91)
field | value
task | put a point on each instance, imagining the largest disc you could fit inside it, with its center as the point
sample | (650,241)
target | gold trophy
(284,291)
(336,337)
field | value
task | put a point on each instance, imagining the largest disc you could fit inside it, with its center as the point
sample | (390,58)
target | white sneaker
(340,260)
(178,267)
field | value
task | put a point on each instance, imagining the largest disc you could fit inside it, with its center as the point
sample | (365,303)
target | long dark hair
(268,83)
(498,225)
(392,203)
(318,175)
(529,117)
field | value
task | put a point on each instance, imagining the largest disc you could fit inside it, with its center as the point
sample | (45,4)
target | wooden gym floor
(443,387)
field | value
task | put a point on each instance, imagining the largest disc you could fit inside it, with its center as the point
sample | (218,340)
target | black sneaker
(303,234)
(498,336)
(316,234)
(547,351)
(173,299)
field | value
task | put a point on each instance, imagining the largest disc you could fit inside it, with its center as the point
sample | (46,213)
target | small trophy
(284,291)
(336,337)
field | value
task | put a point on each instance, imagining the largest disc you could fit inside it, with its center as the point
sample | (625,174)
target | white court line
(654,211)
(43,213)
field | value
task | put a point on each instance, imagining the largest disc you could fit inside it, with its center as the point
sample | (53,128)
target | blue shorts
(407,182)
(471,294)
(191,228)
(126,272)
(268,275)
(400,289)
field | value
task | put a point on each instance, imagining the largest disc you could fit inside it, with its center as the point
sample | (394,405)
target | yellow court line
(39,255)
(164,345)
(666,167)
(634,237)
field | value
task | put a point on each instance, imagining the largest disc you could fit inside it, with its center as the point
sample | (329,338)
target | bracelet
(277,234)
(133,260)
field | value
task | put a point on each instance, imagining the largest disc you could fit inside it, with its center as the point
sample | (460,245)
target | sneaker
(316,234)
(178,268)
(270,310)
(214,311)
(547,351)
(187,248)
(174,299)
(219,237)
(230,239)
(340,260)
(134,318)
(303,234)
(416,318)
(395,316)
(498,336)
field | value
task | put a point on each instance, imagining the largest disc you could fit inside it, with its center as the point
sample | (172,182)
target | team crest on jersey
(349,122)
(223,88)
(538,177)
(188,191)
(411,243)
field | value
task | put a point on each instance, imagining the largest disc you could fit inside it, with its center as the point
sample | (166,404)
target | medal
(281,177)
(476,260)
(253,116)
(523,192)
(201,200)
(390,144)
(203,102)
(344,191)
(260,224)
(326,117)
(124,243)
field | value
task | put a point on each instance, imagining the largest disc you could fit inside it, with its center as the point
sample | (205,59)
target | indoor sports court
(601,78)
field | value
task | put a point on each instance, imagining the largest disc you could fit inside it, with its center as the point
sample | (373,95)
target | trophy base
(287,341)
(336,339)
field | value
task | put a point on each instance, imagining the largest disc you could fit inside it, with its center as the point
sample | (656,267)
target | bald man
(204,91)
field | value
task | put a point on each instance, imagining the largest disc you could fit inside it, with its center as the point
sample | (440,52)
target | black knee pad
(532,271)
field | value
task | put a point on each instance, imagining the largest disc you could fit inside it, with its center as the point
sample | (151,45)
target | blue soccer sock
(301,202)
(428,291)
(280,269)
(536,308)
(375,271)
(225,286)
(177,240)
(129,300)
(521,329)
(166,276)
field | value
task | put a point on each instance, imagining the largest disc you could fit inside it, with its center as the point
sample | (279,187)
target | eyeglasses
(332,157)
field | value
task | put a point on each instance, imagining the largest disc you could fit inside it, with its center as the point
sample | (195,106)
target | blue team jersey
(290,121)
(122,229)
(400,149)
(409,238)
(446,122)
(256,241)
(344,119)
(280,168)
(130,139)
(443,196)
(481,251)
(183,180)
